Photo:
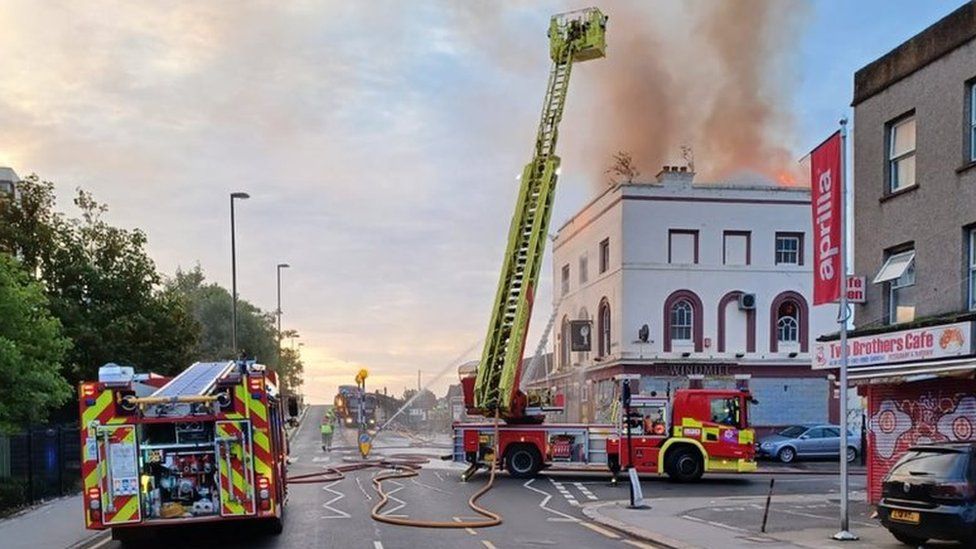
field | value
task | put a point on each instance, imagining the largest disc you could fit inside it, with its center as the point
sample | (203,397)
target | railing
(37,464)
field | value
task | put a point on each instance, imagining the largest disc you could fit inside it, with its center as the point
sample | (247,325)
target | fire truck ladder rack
(191,386)
(575,36)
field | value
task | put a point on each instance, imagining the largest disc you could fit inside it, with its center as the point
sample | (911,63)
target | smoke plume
(712,76)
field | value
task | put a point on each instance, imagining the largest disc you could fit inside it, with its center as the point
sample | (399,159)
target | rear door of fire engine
(235,462)
(118,473)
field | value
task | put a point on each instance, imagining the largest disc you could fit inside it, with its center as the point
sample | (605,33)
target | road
(540,512)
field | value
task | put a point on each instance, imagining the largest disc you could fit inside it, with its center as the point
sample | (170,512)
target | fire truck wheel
(274,526)
(613,463)
(684,464)
(523,461)
(786,454)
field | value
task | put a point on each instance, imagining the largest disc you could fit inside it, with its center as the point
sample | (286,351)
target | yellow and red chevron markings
(236,495)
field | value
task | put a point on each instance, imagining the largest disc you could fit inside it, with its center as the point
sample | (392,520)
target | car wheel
(909,540)
(684,465)
(851,454)
(523,461)
(786,455)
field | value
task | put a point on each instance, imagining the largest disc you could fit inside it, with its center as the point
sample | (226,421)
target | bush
(13,494)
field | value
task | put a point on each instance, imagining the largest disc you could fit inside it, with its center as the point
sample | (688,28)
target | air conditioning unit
(747,302)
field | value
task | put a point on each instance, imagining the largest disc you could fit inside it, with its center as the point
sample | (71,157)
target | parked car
(807,441)
(930,493)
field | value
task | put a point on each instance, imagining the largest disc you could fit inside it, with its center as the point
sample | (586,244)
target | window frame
(725,243)
(891,183)
(893,285)
(971,89)
(564,280)
(584,268)
(795,326)
(604,255)
(694,234)
(971,268)
(604,328)
(690,325)
(799,247)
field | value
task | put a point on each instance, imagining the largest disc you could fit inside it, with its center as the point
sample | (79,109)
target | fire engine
(693,432)
(206,445)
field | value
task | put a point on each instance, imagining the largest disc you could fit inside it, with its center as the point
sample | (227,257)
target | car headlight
(766,445)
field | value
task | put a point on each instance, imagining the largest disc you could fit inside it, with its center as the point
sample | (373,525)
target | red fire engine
(208,445)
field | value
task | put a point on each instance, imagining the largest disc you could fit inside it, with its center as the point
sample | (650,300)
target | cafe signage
(932,342)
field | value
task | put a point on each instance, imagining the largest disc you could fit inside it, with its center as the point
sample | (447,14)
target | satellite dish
(644,333)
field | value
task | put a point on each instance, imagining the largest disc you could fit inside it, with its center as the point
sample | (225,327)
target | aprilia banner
(825,185)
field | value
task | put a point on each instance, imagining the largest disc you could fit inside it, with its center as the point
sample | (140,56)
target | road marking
(434,488)
(468,530)
(377,545)
(640,544)
(388,513)
(321,459)
(488,544)
(600,530)
(363,490)
(438,475)
(328,505)
(542,504)
(586,491)
(565,492)
(101,543)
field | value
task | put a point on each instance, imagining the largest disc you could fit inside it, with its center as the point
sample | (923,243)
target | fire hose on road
(402,466)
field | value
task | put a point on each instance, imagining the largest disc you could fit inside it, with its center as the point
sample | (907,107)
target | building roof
(947,34)
(8,174)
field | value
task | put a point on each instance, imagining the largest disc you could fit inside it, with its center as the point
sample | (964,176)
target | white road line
(363,490)
(565,492)
(388,512)
(438,475)
(434,488)
(586,491)
(488,544)
(710,523)
(637,544)
(545,500)
(328,505)
(101,543)
(377,545)
(468,530)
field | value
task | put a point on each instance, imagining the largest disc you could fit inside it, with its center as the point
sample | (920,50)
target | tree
(101,284)
(622,169)
(31,350)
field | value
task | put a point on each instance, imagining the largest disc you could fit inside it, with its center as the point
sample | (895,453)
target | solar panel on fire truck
(195,380)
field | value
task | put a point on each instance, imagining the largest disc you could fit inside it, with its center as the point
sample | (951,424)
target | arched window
(682,321)
(564,344)
(789,322)
(603,328)
(724,314)
(787,325)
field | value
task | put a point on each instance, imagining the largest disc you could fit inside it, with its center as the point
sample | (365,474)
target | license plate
(911,517)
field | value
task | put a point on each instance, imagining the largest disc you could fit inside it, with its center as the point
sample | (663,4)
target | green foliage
(100,283)
(31,350)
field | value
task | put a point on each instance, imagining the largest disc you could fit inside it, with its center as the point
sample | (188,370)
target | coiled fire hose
(407,466)
(491,518)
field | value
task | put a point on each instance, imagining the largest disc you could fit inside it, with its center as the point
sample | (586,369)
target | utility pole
(233,270)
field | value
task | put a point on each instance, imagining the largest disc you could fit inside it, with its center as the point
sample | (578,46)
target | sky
(380,140)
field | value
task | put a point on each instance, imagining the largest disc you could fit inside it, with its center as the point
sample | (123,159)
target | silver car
(808,441)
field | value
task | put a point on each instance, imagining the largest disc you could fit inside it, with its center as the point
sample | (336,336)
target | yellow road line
(599,530)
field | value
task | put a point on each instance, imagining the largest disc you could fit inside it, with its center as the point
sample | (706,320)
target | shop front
(918,386)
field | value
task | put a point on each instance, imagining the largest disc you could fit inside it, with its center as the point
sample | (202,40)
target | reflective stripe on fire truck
(240,400)
(263,458)
(234,462)
(119,496)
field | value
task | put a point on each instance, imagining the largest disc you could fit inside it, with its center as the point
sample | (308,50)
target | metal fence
(39,463)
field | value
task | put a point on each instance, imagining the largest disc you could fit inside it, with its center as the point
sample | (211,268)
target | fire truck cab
(206,445)
(696,431)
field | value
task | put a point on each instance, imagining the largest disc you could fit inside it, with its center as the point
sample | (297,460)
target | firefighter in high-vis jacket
(327,429)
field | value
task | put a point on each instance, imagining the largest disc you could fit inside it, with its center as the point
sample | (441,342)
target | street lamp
(233,269)
(279,268)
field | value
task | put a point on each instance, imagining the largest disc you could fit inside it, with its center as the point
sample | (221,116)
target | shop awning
(913,371)
(895,267)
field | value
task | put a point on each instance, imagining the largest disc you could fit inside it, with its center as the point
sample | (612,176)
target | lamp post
(279,268)
(233,269)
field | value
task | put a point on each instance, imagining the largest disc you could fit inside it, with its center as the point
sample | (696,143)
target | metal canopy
(198,379)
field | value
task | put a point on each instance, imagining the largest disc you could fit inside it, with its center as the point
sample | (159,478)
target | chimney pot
(676,176)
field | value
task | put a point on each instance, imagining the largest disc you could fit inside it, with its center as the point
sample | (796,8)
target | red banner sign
(825,181)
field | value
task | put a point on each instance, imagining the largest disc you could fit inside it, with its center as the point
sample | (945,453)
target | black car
(930,493)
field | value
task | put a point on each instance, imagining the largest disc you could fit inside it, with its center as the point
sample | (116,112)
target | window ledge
(966,167)
(899,192)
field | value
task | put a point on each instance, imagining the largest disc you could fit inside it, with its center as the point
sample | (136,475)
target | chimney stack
(676,176)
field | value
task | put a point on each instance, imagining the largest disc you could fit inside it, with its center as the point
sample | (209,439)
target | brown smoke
(710,75)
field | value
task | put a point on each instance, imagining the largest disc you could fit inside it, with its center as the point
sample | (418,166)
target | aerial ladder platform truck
(682,435)
(207,445)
